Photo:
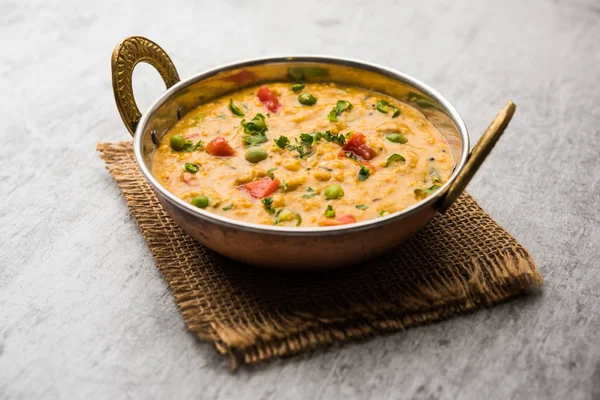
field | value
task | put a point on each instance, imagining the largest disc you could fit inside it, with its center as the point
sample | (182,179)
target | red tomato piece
(268,99)
(358,145)
(340,220)
(219,147)
(262,187)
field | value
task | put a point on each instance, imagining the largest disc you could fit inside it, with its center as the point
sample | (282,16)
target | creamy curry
(303,155)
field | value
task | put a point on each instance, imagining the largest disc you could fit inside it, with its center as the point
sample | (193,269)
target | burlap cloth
(461,261)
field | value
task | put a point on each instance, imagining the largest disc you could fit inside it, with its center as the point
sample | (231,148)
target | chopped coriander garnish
(310,193)
(383,213)
(303,147)
(255,128)
(330,137)
(256,125)
(229,207)
(270,173)
(254,140)
(329,212)
(363,174)
(282,141)
(340,107)
(300,148)
(191,146)
(384,106)
(393,158)
(397,138)
(284,186)
(361,206)
(235,109)
(297,87)
(307,139)
(268,205)
(191,168)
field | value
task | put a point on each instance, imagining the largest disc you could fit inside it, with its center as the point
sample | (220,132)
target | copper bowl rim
(231,223)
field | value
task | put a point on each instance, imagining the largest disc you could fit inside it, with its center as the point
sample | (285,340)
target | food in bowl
(303,154)
(285,246)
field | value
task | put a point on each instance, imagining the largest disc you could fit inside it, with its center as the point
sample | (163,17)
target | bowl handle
(126,55)
(481,150)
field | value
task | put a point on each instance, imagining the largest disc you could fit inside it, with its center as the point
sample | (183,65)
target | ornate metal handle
(481,150)
(126,55)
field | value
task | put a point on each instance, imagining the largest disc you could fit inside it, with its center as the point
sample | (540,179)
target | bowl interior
(206,86)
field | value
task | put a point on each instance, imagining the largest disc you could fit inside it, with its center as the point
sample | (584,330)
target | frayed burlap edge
(508,273)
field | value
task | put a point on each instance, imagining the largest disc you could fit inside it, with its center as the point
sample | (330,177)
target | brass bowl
(284,247)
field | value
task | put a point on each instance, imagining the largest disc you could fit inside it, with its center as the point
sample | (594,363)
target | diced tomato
(340,220)
(268,99)
(262,187)
(219,147)
(357,145)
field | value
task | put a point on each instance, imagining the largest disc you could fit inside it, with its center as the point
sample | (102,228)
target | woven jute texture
(461,261)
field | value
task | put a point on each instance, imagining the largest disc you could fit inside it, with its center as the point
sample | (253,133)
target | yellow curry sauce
(303,155)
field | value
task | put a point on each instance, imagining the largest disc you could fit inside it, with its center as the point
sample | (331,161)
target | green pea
(200,201)
(307,99)
(177,142)
(397,138)
(333,192)
(255,154)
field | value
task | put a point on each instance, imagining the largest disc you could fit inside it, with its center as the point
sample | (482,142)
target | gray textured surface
(84,312)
